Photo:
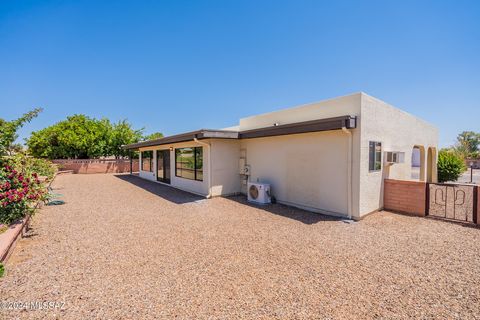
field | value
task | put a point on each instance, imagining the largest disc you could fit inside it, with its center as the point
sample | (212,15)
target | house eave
(185,137)
(336,123)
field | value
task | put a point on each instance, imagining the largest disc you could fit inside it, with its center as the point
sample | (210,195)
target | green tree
(153,136)
(450,166)
(44,143)
(122,133)
(81,137)
(467,144)
(77,137)
(8,131)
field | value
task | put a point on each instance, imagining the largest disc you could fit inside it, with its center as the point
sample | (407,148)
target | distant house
(329,157)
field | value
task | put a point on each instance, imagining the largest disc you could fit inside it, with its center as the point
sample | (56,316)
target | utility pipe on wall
(349,172)
(209,147)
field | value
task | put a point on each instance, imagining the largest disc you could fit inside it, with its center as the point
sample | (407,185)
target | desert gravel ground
(124,248)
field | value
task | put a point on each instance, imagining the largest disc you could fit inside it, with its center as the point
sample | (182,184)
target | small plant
(2,270)
(450,166)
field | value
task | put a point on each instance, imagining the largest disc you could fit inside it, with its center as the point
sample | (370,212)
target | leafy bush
(24,163)
(43,167)
(2,270)
(19,191)
(450,166)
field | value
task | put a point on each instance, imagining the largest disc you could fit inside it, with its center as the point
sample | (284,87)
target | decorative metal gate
(452,201)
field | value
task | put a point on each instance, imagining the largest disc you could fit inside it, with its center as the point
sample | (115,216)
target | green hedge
(450,166)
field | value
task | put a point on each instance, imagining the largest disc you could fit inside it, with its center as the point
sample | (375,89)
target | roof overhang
(336,123)
(348,122)
(184,137)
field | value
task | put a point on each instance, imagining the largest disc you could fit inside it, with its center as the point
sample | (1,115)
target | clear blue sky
(174,66)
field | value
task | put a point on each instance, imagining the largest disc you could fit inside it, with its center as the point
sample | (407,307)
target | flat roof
(336,123)
(183,137)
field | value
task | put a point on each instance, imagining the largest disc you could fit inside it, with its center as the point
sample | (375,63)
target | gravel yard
(124,248)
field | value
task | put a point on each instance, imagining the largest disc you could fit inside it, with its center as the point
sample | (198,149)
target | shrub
(19,191)
(450,166)
(2,270)
(42,167)
(28,165)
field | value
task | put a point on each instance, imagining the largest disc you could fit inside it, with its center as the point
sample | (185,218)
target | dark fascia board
(184,137)
(348,122)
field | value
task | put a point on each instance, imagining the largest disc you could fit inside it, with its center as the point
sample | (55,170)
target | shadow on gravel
(168,193)
(303,216)
(29,232)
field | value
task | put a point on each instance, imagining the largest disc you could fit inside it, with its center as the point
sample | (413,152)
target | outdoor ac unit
(259,193)
(394,157)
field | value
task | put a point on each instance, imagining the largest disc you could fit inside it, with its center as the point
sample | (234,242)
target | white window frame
(377,156)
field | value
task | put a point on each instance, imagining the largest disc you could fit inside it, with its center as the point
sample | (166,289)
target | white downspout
(209,195)
(349,172)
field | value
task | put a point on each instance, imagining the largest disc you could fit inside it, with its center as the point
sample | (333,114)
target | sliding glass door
(163,166)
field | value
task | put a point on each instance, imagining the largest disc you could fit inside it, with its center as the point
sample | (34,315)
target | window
(375,156)
(147,161)
(189,163)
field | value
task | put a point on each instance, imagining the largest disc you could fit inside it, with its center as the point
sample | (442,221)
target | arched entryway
(432,165)
(418,163)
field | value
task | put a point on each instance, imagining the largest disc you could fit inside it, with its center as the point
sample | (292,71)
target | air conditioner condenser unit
(259,193)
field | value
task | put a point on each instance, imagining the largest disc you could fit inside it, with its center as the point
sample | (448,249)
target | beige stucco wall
(304,170)
(321,171)
(225,166)
(397,131)
(197,187)
(225,173)
(325,186)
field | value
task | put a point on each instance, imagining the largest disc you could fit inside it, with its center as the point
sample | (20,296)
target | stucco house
(329,157)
